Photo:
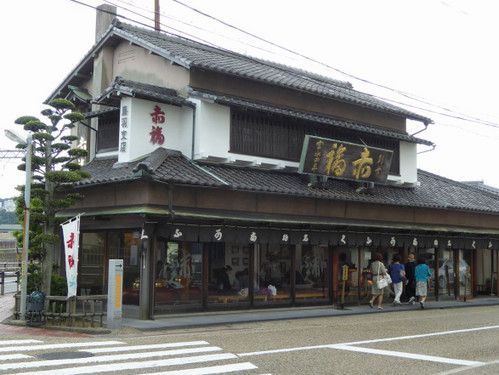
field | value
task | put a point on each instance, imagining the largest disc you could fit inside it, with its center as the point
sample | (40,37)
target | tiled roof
(161,164)
(142,90)
(310,116)
(171,166)
(191,54)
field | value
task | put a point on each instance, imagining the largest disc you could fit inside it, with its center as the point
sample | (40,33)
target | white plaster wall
(137,64)
(213,135)
(177,128)
(408,164)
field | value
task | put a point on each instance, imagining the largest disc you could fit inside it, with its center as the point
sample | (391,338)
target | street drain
(65,355)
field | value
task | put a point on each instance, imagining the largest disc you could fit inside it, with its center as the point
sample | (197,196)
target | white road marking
(422,335)
(421,357)
(285,350)
(222,369)
(144,347)
(349,346)
(134,365)
(106,358)
(59,346)
(471,368)
(17,342)
(7,357)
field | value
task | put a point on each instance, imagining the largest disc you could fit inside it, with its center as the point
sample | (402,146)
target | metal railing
(74,311)
(9,274)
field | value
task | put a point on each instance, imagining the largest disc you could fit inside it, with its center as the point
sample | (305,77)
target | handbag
(382,281)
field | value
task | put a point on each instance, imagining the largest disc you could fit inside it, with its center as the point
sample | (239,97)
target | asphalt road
(447,341)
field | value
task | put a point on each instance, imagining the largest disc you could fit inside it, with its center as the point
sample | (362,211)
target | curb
(88,330)
(332,314)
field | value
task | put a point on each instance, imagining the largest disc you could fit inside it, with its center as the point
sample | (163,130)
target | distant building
(8,204)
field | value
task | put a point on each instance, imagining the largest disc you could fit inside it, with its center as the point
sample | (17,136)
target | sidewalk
(203,319)
(6,306)
(259,315)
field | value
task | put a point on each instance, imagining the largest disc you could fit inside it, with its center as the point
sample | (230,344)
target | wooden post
(497,272)
(436,275)
(292,272)
(455,271)
(334,273)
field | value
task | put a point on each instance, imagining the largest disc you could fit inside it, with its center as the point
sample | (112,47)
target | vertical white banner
(71,237)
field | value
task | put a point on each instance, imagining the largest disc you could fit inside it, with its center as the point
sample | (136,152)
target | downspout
(170,201)
(193,132)
(422,130)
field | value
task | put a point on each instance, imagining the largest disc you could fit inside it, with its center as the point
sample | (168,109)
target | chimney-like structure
(105,15)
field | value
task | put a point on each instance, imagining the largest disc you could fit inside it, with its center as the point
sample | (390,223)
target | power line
(144,24)
(458,116)
(182,22)
(403,93)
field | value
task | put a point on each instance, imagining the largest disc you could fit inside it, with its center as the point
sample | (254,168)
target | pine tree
(55,168)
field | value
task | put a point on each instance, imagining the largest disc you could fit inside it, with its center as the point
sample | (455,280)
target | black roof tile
(171,166)
(142,90)
(315,117)
(194,54)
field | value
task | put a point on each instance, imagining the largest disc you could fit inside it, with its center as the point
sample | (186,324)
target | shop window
(228,274)
(178,282)
(91,263)
(272,274)
(96,250)
(350,258)
(311,279)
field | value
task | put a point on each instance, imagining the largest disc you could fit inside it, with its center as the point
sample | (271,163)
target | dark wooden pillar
(436,276)
(473,270)
(335,267)
(455,271)
(497,272)
(205,275)
(251,274)
(145,279)
(292,272)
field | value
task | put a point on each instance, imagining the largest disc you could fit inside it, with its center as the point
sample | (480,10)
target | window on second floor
(108,132)
(280,137)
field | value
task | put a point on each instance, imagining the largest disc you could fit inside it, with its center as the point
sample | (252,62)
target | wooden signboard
(344,160)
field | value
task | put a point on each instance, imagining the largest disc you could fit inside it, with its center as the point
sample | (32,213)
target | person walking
(422,275)
(378,270)
(410,286)
(397,273)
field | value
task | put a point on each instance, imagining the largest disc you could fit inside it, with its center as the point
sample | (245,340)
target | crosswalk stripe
(222,369)
(18,342)
(58,346)
(106,358)
(143,347)
(8,357)
(122,366)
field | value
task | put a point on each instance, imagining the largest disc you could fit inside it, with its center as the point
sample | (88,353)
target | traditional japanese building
(225,181)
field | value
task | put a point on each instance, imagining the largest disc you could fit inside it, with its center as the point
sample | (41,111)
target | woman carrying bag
(378,270)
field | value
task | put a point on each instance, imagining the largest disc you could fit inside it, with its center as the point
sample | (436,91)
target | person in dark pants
(410,287)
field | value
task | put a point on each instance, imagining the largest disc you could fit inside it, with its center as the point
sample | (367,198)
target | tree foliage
(55,167)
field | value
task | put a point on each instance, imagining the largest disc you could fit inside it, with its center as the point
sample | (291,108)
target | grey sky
(442,51)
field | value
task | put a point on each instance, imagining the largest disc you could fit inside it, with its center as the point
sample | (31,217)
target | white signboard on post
(71,237)
(115,293)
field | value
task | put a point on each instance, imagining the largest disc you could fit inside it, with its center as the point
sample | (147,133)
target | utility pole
(157,15)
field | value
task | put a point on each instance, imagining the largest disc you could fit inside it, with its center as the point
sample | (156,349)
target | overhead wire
(457,115)
(162,14)
(400,92)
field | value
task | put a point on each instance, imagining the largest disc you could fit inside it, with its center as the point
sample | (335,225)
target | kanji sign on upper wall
(344,160)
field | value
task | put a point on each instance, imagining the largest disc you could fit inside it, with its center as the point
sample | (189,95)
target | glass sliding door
(178,282)
(311,276)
